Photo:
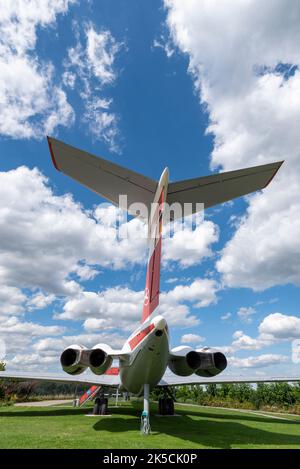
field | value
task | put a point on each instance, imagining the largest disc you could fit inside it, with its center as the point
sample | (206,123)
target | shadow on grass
(205,433)
(222,429)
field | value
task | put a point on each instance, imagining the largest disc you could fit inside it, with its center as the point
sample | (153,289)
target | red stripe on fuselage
(151,298)
(52,154)
(114,370)
(140,336)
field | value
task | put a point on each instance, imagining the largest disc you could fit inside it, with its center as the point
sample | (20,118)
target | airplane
(146,360)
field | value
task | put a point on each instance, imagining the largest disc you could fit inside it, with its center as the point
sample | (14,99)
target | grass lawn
(195,427)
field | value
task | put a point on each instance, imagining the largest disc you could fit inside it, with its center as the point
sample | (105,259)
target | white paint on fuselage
(148,361)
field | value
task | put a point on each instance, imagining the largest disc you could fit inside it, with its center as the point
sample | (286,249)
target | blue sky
(149,85)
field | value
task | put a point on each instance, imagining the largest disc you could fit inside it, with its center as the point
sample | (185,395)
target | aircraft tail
(111,181)
(155,222)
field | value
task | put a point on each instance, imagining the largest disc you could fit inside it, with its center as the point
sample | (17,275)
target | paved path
(43,403)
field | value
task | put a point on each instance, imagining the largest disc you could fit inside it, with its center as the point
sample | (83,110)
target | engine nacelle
(212,362)
(184,361)
(100,359)
(74,359)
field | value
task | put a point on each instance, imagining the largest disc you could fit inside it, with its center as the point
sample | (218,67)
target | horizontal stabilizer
(101,176)
(221,187)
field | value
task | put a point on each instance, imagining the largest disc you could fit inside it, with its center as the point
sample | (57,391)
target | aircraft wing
(104,380)
(170,379)
(221,187)
(101,176)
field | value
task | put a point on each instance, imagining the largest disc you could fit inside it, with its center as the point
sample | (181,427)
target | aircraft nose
(159,323)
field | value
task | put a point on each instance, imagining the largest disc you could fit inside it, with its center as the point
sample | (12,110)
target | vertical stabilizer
(155,222)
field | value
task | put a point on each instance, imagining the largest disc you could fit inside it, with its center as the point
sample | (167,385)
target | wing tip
(52,153)
(278,166)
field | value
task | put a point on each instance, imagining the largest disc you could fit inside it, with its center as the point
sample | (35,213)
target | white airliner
(146,361)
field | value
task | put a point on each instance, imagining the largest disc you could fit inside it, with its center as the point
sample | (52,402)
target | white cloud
(226,316)
(190,246)
(191,339)
(69,79)
(44,354)
(40,301)
(30,361)
(101,49)
(296,351)
(11,300)
(201,292)
(31,104)
(165,45)
(280,326)
(273,329)
(243,341)
(120,307)
(236,52)
(12,325)
(259,361)
(93,62)
(55,346)
(45,238)
(245,314)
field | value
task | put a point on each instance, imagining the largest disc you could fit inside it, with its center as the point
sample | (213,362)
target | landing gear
(166,403)
(166,406)
(145,420)
(100,405)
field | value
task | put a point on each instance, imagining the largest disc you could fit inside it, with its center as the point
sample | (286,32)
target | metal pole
(145,420)
(146,398)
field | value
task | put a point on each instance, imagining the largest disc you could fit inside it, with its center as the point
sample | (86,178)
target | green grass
(195,427)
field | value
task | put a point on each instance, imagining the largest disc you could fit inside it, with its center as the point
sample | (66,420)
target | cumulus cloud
(245,314)
(13,325)
(121,307)
(280,326)
(31,104)
(191,339)
(259,361)
(244,58)
(190,245)
(226,316)
(273,329)
(44,353)
(92,60)
(45,238)
(11,300)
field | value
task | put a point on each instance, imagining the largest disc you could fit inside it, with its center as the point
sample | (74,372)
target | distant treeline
(273,396)
(13,390)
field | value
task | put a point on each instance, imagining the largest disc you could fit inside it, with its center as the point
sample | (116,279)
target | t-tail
(113,181)
(155,224)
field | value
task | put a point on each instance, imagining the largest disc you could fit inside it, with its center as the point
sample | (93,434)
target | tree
(2,365)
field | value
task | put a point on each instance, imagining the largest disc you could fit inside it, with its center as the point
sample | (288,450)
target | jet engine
(212,362)
(75,359)
(100,359)
(206,362)
(184,361)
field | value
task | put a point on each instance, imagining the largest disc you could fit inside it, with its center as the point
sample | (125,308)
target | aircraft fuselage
(148,358)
